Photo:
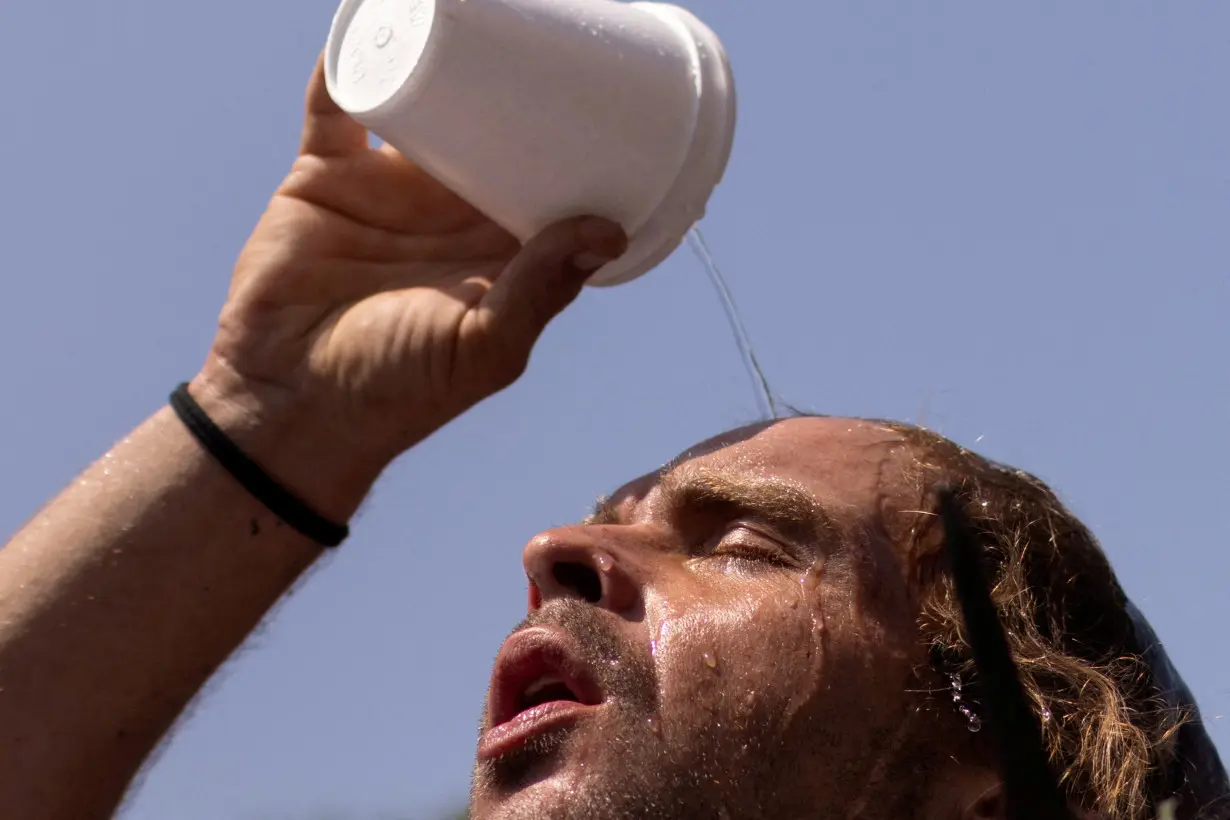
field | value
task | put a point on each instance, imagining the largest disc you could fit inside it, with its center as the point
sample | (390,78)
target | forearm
(117,603)
(369,308)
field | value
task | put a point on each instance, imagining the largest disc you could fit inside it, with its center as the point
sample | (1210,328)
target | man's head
(764,628)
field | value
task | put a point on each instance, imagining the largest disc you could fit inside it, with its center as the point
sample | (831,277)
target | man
(765,629)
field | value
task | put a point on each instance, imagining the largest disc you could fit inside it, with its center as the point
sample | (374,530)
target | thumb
(547,276)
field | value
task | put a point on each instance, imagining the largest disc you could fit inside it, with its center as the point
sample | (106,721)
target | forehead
(847,465)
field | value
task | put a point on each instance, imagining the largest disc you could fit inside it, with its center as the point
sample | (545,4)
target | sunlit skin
(739,629)
(756,636)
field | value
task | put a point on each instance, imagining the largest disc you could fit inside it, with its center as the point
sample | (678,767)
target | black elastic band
(280,501)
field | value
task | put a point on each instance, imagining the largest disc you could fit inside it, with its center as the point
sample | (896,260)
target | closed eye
(743,541)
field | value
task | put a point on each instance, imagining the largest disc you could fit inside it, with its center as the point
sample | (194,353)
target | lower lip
(511,736)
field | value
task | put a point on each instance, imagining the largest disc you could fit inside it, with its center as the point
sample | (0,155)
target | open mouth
(546,690)
(540,684)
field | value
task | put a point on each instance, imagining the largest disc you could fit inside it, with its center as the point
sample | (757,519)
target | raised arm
(369,308)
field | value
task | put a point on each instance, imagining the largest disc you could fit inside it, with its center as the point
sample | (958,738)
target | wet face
(732,637)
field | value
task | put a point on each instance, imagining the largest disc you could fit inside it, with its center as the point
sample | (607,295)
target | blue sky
(1011,224)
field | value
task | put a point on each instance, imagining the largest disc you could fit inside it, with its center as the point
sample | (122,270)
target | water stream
(764,395)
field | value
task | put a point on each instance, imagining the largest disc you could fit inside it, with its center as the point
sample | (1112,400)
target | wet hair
(1119,726)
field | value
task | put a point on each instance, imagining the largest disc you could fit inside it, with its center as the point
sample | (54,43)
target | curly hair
(1109,733)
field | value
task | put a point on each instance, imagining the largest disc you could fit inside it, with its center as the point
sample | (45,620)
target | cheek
(731,653)
(794,655)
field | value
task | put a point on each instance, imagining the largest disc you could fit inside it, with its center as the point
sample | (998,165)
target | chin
(543,780)
(552,798)
(588,771)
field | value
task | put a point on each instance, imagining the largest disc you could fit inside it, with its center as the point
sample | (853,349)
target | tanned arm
(369,308)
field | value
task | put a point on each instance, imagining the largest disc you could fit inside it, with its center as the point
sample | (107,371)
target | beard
(735,752)
(635,759)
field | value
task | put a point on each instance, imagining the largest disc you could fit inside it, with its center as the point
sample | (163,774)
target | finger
(547,276)
(322,232)
(327,129)
(385,191)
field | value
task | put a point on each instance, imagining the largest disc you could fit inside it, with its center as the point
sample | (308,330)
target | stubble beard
(642,769)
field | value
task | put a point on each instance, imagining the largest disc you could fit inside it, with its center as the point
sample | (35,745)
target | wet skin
(741,627)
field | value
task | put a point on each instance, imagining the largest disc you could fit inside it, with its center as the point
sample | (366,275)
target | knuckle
(511,371)
(507,363)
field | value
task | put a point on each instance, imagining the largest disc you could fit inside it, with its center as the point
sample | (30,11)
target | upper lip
(535,658)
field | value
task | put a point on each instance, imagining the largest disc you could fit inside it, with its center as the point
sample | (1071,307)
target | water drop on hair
(710,660)
(605,562)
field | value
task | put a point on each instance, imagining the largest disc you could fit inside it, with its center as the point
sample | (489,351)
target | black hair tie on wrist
(280,501)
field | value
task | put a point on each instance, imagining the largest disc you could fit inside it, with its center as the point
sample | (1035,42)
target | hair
(1109,734)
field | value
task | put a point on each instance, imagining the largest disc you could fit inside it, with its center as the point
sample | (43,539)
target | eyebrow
(781,504)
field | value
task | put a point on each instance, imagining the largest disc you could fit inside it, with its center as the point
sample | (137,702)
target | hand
(371,306)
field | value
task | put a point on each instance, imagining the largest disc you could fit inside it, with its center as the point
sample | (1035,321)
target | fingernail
(588,262)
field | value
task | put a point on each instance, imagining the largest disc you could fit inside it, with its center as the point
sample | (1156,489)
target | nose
(570,563)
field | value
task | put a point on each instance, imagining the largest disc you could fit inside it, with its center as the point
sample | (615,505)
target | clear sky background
(1011,224)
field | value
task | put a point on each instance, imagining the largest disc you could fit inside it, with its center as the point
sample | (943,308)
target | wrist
(300,450)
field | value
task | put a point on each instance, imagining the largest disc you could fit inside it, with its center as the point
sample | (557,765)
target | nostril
(580,579)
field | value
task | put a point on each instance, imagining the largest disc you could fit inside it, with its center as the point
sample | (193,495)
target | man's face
(731,637)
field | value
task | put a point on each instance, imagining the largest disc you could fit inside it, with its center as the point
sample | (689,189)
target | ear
(990,805)
(987,806)
(973,793)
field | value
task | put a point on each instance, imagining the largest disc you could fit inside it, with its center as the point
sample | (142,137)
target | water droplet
(654,728)
(710,660)
(383,36)
(975,724)
(811,581)
(605,562)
